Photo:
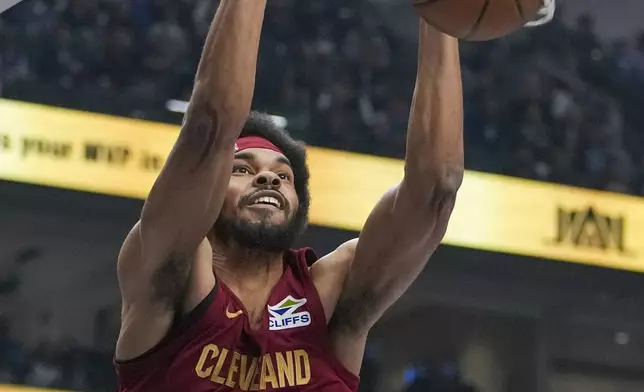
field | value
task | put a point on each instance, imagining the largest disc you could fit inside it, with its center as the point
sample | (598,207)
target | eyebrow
(284,160)
(249,156)
(245,156)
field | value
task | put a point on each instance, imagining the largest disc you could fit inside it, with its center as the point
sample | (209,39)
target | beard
(262,235)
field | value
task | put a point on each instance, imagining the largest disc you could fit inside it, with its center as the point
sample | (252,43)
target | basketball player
(214,299)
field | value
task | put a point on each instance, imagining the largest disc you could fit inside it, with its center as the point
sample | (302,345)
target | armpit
(170,282)
(354,310)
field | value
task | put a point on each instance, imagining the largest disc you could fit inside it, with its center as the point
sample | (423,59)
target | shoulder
(329,273)
(337,261)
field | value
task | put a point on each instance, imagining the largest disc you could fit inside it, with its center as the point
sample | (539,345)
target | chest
(283,351)
(289,305)
(215,367)
(278,322)
(280,344)
(253,306)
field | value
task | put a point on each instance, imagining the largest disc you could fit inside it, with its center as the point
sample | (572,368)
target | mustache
(243,201)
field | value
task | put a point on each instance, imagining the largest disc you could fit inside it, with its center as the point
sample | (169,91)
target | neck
(244,268)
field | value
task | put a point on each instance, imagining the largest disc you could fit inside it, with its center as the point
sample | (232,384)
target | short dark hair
(263,125)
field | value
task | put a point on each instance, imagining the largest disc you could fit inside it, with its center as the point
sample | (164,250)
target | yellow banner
(20,388)
(122,157)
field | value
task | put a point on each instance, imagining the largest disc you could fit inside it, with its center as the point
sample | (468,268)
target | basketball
(478,20)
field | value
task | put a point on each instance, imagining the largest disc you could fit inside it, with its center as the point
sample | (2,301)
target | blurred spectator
(45,367)
(563,109)
(12,358)
(437,377)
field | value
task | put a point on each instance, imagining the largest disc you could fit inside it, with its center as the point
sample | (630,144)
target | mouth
(267,198)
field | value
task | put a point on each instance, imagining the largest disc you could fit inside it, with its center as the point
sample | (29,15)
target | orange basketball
(478,20)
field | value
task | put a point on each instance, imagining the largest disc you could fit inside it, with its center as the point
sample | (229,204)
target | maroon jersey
(214,348)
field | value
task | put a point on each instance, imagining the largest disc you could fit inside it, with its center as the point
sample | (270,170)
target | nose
(267,179)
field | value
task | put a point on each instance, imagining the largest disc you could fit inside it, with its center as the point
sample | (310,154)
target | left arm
(409,222)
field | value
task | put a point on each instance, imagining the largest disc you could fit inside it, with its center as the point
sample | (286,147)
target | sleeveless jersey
(214,348)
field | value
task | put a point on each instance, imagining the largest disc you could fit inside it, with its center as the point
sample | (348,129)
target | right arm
(165,263)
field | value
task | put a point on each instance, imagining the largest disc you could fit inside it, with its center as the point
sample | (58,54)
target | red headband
(244,143)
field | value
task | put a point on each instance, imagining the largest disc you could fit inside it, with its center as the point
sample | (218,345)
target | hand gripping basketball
(482,20)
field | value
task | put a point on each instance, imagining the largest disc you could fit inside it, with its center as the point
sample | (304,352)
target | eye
(241,170)
(284,177)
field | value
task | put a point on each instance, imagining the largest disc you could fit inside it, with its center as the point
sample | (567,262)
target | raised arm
(157,263)
(410,220)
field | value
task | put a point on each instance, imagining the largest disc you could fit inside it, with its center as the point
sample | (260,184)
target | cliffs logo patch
(284,315)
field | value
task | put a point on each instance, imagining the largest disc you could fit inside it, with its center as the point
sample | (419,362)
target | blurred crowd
(555,103)
(56,364)
(53,358)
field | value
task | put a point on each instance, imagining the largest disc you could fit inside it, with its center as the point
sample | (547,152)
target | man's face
(261,202)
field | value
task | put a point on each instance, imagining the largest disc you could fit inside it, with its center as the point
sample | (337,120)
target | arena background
(538,286)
